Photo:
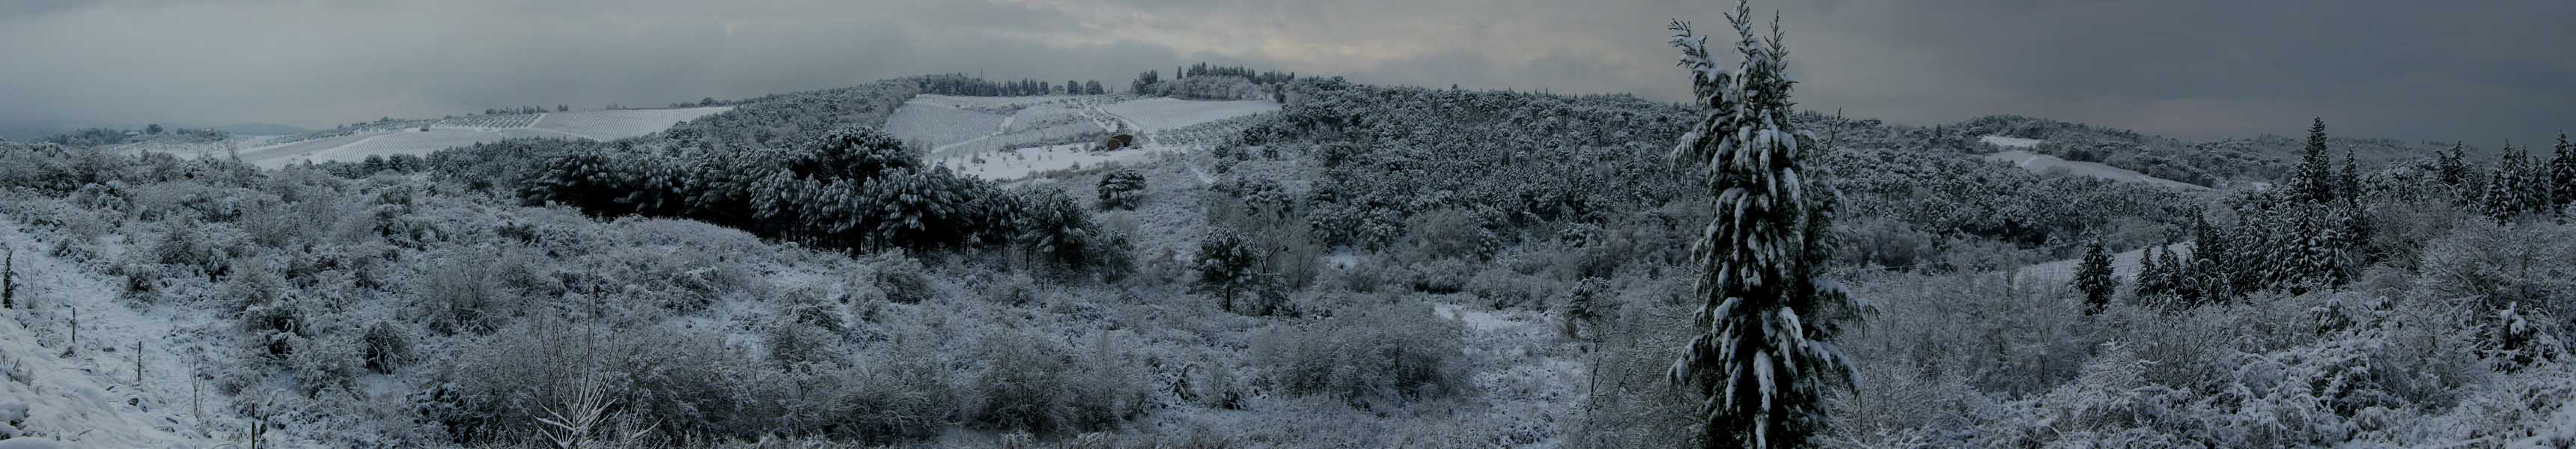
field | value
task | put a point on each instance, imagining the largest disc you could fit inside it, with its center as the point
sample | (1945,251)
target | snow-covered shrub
(388,347)
(271,314)
(901,393)
(13,417)
(1382,356)
(795,343)
(894,277)
(1440,276)
(687,383)
(2528,263)
(1503,288)
(1031,382)
(459,294)
(330,359)
(1450,233)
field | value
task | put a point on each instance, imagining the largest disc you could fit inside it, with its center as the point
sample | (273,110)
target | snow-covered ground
(92,395)
(621,123)
(2045,164)
(932,123)
(1159,114)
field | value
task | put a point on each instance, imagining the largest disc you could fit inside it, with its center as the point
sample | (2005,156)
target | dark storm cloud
(2482,72)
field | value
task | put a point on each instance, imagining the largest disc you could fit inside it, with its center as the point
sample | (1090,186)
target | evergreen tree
(1121,189)
(2452,166)
(2562,173)
(2174,273)
(2093,277)
(9,280)
(1762,355)
(2351,179)
(2210,278)
(2154,278)
(2314,182)
(1228,265)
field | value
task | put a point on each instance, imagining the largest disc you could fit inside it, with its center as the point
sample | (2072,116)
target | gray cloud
(2481,72)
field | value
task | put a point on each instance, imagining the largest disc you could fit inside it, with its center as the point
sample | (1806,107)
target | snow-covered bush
(387,347)
(459,294)
(893,277)
(1032,382)
(1376,357)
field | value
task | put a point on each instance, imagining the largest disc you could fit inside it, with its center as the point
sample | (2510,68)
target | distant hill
(260,129)
(2212,163)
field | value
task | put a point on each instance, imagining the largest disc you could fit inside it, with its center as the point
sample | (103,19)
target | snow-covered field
(621,123)
(2045,164)
(1158,114)
(1014,137)
(940,124)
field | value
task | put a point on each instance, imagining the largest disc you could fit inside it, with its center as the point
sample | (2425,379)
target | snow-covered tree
(2154,278)
(2210,277)
(1121,189)
(2452,168)
(2562,173)
(2093,277)
(1228,265)
(1763,354)
(2314,181)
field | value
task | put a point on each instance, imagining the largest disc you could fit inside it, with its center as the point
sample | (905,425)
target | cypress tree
(2093,277)
(2153,276)
(2314,182)
(1762,354)
(2562,173)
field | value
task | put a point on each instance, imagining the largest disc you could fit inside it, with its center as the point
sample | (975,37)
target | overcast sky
(2479,71)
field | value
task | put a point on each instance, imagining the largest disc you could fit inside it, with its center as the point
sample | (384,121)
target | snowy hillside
(2042,163)
(419,138)
(1006,138)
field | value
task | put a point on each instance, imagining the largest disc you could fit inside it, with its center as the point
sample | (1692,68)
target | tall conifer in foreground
(1763,353)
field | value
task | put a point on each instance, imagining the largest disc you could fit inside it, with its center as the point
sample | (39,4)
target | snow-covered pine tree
(2497,196)
(1121,189)
(2452,167)
(2314,182)
(1764,353)
(1228,265)
(2211,278)
(2153,276)
(2562,173)
(2176,275)
(2093,277)
(2350,180)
